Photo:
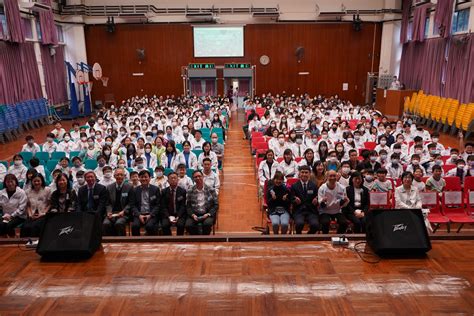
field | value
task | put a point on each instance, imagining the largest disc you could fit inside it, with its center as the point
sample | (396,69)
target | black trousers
(166,226)
(32,227)
(199,228)
(9,228)
(115,226)
(309,217)
(325,220)
(359,223)
(151,226)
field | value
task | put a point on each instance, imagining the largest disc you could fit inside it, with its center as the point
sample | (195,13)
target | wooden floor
(262,278)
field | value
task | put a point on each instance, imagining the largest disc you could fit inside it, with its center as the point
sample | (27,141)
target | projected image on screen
(218,41)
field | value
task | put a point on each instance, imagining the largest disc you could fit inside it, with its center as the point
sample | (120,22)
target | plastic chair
(469,194)
(448,167)
(197,152)
(370,145)
(26,155)
(42,155)
(453,207)
(73,154)
(189,172)
(90,164)
(168,171)
(58,155)
(453,184)
(5,163)
(51,164)
(291,181)
(430,200)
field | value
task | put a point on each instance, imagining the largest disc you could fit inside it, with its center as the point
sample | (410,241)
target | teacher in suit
(93,196)
(146,206)
(173,206)
(304,197)
(119,205)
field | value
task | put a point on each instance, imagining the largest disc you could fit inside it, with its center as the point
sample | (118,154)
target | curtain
(460,69)
(48,28)
(15,25)
(210,87)
(419,20)
(406,6)
(1,31)
(196,87)
(422,65)
(19,75)
(54,74)
(244,87)
(443,17)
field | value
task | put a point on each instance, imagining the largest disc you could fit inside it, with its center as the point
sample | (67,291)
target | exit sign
(235,66)
(201,66)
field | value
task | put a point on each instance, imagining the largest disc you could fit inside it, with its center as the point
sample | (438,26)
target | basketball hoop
(104,80)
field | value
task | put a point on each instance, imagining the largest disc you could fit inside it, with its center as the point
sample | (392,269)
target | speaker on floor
(397,232)
(70,236)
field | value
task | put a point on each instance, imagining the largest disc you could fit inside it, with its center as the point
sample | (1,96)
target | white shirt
(407,199)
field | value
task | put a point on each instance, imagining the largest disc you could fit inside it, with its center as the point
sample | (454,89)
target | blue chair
(73,154)
(26,155)
(51,164)
(168,171)
(5,163)
(197,152)
(58,155)
(90,164)
(189,172)
(42,155)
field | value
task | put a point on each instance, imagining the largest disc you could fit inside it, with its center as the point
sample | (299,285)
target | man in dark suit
(146,206)
(93,196)
(119,206)
(173,206)
(304,196)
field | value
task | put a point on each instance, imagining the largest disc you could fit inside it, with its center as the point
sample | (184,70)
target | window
(59,30)
(27,27)
(427,27)
(460,21)
(38,30)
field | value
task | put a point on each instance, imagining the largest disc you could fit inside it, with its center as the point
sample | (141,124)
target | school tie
(90,199)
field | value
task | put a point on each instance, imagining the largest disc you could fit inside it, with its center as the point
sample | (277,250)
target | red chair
(445,158)
(265,204)
(446,168)
(453,184)
(280,159)
(430,200)
(469,194)
(298,159)
(256,134)
(452,206)
(258,160)
(379,200)
(370,145)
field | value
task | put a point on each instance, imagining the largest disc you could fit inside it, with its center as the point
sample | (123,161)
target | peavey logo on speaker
(66,230)
(399,227)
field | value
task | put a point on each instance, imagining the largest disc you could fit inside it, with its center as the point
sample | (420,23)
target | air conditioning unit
(266,14)
(34,6)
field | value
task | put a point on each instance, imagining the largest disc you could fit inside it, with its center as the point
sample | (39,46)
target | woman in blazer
(358,205)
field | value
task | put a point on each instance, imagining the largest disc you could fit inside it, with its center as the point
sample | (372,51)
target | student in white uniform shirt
(67,144)
(332,198)
(267,168)
(394,168)
(30,145)
(407,196)
(18,168)
(281,146)
(79,181)
(207,153)
(160,180)
(58,132)
(187,157)
(198,140)
(50,146)
(211,178)
(107,176)
(460,170)
(298,148)
(288,165)
(309,159)
(184,181)
(101,163)
(345,174)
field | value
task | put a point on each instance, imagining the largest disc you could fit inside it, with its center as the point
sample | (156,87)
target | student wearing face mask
(382,144)
(149,158)
(460,171)
(92,151)
(18,168)
(30,145)
(454,156)
(281,145)
(101,163)
(67,144)
(160,180)
(394,167)
(298,148)
(107,178)
(50,146)
(344,174)
(415,163)
(79,180)
(325,138)
(369,179)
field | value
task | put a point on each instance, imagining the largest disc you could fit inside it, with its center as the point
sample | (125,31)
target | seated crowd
(152,162)
(319,159)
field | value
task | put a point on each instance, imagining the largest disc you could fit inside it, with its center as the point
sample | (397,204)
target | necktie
(299,151)
(90,200)
(304,188)
(118,202)
(172,200)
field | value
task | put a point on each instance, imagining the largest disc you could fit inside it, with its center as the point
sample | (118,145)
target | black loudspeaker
(70,236)
(397,232)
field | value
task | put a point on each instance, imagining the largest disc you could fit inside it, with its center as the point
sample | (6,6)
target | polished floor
(261,278)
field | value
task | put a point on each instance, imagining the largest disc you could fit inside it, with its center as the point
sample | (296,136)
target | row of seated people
(117,204)
(306,202)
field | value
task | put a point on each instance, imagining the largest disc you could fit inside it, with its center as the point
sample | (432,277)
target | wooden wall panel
(334,54)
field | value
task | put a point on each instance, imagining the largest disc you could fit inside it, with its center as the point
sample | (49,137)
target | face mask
(101,164)
(90,144)
(123,133)
(148,150)
(214,140)
(80,180)
(418,151)
(383,142)
(133,138)
(350,140)
(299,141)
(121,165)
(373,158)
(439,162)
(345,170)
(400,141)
(108,175)
(107,152)
(50,140)
(140,166)
(67,138)
(357,137)
(281,141)
(324,136)
(395,161)
(333,159)
(315,140)
(459,166)
(435,140)
(415,162)
(383,157)
(454,157)
(362,130)
(369,178)
(397,151)
(18,162)
(108,142)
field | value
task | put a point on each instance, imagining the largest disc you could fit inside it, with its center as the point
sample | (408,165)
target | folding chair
(379,200)
(26,155)
(452,184)
(51,164)
(453,207)
(58,155)
(90,164)
(448,167)
(291,181)
(370,145)
(430,200)
(42,155)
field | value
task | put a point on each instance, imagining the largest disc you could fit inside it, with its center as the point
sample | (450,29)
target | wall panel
(334,54)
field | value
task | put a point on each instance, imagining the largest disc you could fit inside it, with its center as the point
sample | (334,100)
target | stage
(239,278)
